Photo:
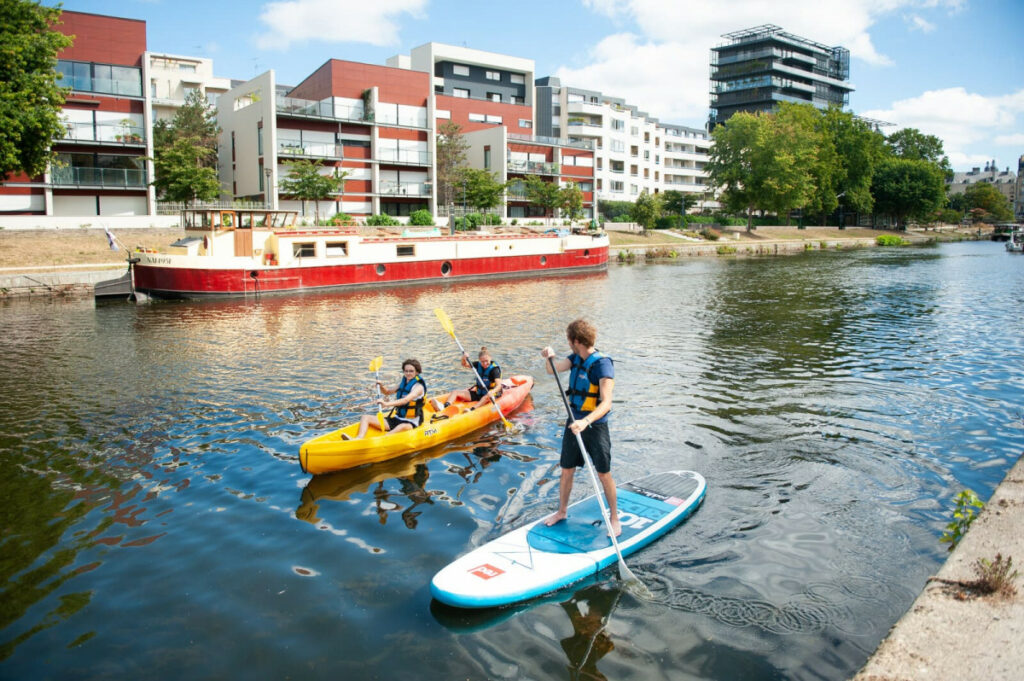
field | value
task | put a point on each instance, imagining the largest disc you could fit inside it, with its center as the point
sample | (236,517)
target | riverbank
(952,631)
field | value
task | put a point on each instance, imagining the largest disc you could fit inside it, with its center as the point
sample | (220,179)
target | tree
(306,182)
(907,188)
(184,172)
(451,158)
(483,191)
(987,203)
(675,202)
(646,209)
(30,95)
(858,151)
(547,195)
(732,168)
(912,144)
(195,119)
(572,201)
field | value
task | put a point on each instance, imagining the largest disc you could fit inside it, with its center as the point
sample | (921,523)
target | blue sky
(951,68)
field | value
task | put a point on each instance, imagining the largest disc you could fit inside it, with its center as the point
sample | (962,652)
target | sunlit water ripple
(157,523)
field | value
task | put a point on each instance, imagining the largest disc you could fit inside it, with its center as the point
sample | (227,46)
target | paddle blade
(375,363)
(442,317)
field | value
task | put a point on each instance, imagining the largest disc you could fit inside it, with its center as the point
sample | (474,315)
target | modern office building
(762,66)
(103,167)
(634,152)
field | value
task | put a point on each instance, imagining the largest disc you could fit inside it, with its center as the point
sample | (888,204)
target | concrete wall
(16,222)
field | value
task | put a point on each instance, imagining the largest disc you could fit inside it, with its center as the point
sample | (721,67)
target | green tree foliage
(451,151)
(306,182)
(483,191)
(907,188)
(675,202)
(421,217)
(185,153)
(547,195)
(30,92)
(858,151)
(572,201)
(913,145)
(732,167)
(646,209)
(986,203)
(613,209)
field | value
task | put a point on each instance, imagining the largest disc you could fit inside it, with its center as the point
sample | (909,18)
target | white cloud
(334,21)
(921,24)
(962,120)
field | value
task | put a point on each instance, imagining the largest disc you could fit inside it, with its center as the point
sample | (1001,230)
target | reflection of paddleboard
(535,559)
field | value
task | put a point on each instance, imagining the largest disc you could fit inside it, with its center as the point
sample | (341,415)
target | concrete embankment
(744,248)
(951,631)
(69,281)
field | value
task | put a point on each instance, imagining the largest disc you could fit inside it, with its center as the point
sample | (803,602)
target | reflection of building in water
(589,610)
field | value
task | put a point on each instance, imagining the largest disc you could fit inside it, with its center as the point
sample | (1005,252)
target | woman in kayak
(489,373)
(406,407)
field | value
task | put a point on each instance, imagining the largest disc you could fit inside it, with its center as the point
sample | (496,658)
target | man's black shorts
(598,443)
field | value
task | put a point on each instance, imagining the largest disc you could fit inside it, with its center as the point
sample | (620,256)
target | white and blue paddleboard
(536,559)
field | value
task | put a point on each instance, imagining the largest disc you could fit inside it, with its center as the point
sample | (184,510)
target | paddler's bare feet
(554,518)
(616,528)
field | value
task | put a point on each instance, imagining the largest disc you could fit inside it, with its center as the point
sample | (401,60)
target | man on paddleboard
(591,383)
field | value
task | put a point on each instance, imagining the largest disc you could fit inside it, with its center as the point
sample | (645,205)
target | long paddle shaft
(375,368)
(624,572)
(447,324)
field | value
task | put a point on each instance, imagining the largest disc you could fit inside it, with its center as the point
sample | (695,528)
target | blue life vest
(490,375)
(414,410)
(583,395)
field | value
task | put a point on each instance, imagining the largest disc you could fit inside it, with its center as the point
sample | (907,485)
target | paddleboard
(535,559)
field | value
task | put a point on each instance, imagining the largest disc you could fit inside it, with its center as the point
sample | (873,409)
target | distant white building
(633,151)
(1003,180)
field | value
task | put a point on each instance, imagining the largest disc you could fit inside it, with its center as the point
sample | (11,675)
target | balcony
(534,167)
(586,108)
(550,141)
(403,157)
(107,178)
(332,151)
(308,108)
(105,133)
(405,189)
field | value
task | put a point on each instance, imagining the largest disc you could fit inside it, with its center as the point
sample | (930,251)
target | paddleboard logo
(486,571)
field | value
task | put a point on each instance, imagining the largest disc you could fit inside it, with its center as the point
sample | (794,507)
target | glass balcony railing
(101,132)
(405,189)
(77,176)
(312,150)
(411,157)
(322,109)
(534,167)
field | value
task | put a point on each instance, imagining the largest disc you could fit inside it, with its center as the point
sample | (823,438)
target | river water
(157,525)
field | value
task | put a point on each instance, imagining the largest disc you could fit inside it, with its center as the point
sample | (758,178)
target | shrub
(421,218)
(725,250)
(341,220)
(890,240)
(996,576)
(492,219)
(963,515)
(669,222)
(622,218)
(382,220)
(710,234)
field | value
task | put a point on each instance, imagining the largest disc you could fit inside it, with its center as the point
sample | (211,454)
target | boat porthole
(543,260)
(586,252)
(380,268)
(446,268)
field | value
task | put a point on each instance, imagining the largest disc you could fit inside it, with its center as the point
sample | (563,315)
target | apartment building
(369,122)
(172,78)
(1004,180)
(634,152)
(103,167)
(491,97)
(762,66)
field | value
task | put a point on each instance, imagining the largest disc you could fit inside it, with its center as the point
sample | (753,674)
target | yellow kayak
(330,452)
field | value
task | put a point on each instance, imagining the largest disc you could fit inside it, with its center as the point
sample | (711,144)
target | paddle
(375,364)
(447,324)
(625,573)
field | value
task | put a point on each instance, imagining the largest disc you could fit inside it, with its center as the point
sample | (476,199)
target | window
(487,158)
(618,145)
(493,119)
(477,117)
(187,68)
(516,100)
(634,131)
(444,113)
(494,96)
(460,92)
(618,125)
(525,123)
(492,75)
(517,79)
(460,70)
(304,250)
(617,187)
(574,98)
(405,251)
(336,249)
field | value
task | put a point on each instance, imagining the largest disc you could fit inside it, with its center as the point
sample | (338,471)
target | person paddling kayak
(591,384)
(488,371)
(407,406)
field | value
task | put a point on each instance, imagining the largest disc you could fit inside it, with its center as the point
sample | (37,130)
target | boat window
(304,250)
(336,249)
(245,220)
(227,219)
(405,251)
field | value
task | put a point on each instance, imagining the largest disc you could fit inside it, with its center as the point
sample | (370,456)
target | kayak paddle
(447,324)
(375,364)
(625,573)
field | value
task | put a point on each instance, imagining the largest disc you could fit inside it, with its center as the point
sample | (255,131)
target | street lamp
(839,196)
(266,187)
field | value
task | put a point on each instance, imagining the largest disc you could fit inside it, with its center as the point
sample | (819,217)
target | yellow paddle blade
(442,316)
(375,363)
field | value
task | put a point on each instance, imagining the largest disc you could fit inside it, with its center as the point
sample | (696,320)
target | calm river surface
(156,523)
